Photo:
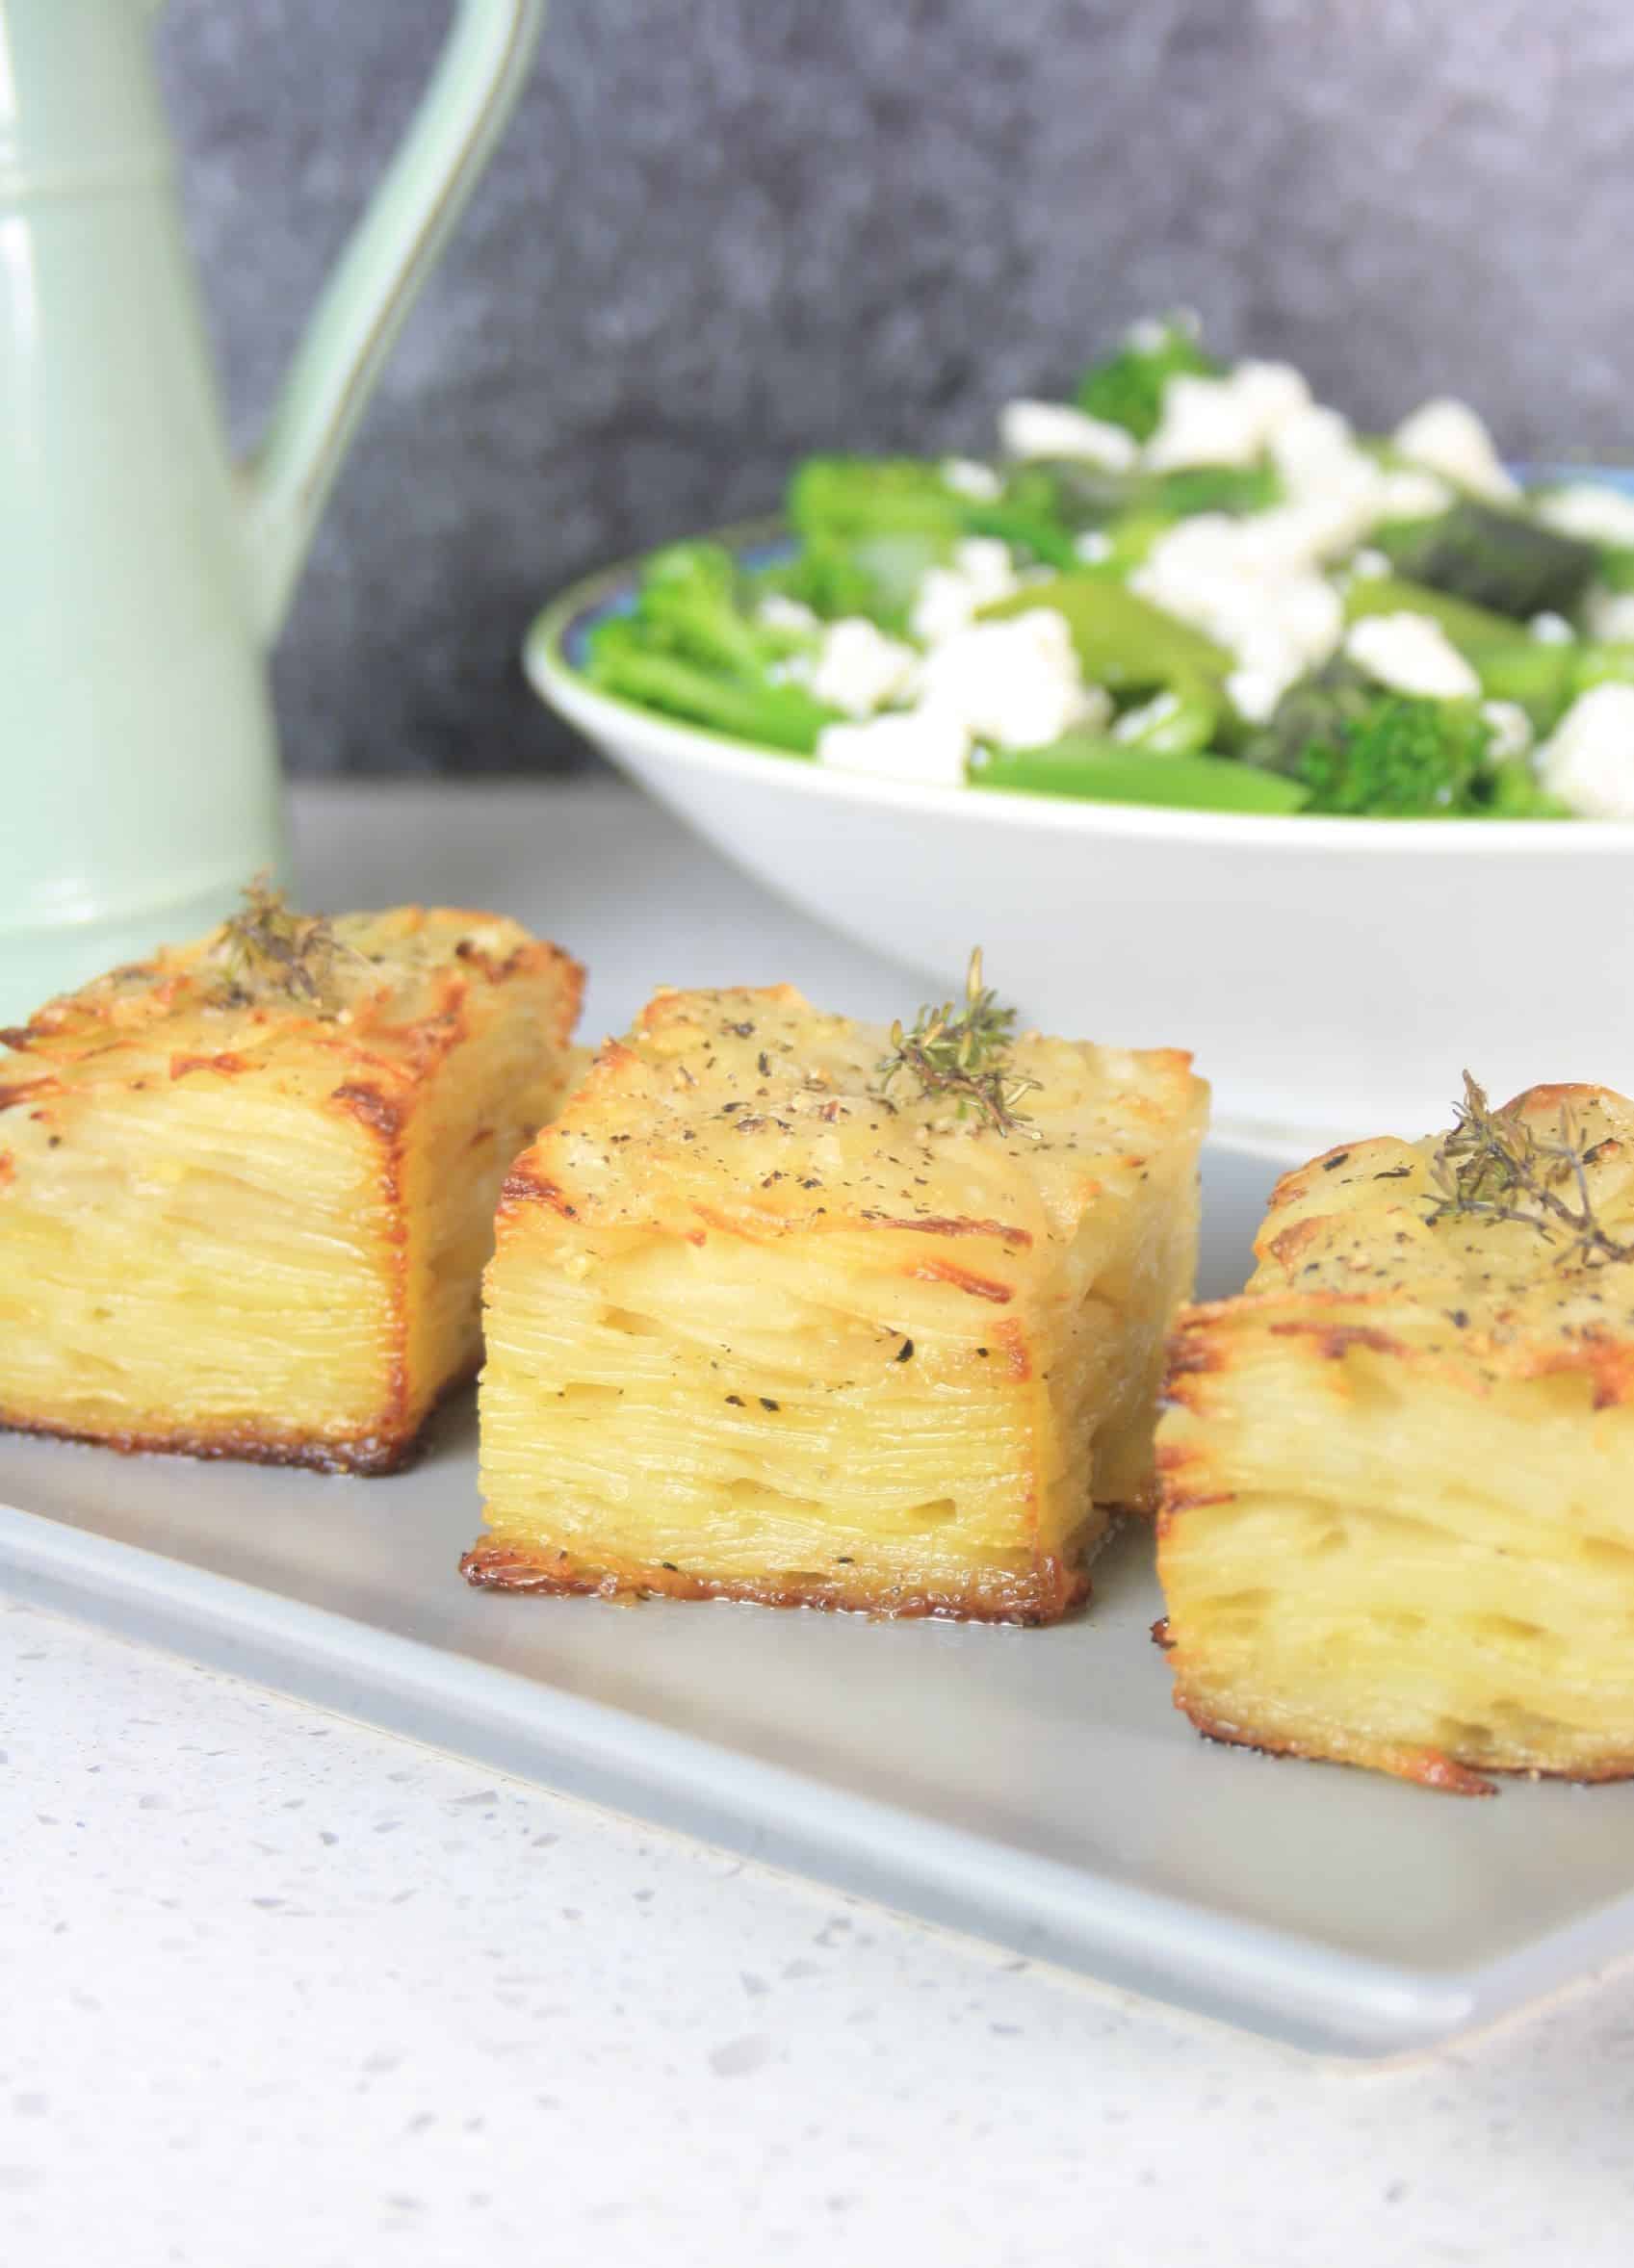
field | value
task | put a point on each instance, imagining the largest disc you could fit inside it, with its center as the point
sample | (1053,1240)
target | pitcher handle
(453,132)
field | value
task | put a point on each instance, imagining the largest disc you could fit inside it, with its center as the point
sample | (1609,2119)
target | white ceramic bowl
(1332,976)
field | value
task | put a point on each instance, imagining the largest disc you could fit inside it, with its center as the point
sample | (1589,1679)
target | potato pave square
(246,1188)
(1397,1519)
(757,1332)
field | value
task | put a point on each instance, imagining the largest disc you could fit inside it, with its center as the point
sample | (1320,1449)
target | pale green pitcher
(142,575)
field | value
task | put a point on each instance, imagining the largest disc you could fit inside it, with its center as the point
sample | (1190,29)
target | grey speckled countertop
(719,235)
(280,1990)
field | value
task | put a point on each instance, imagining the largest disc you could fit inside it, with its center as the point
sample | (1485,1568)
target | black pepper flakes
(905,1351)
(766,1403)
(1337,1159)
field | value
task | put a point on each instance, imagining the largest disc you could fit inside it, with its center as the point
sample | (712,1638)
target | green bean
(1120,639)
(1104,771)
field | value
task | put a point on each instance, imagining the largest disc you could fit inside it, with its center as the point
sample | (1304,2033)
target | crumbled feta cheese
(1307,614)
(859,668)
(1056,429)
(1092,546)
(1609,614)
(1552,629)
(1095,707)
(1412,496)
(1512,731)
(1203,424)
(1448,438)
(1278,651)
(965,475)
(1275,391)
(985,563)
(923,747)
(778,612)
(1308,447)
(1591,511)
(1411,654)
(1368,566)
(1588,759)
(1340,490)
(943,605)
(794,669)
(948,598)
(1254,693)
(1247,584)
(1227,421)
(1015,683)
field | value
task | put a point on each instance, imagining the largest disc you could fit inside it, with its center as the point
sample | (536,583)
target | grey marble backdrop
(724,232)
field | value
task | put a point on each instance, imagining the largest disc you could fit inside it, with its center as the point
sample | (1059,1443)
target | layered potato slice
(1397,1474)
(755,1332)
(246,1188)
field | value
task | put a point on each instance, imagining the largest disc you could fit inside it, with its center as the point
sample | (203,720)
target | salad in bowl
(1193,586)
(1149,704)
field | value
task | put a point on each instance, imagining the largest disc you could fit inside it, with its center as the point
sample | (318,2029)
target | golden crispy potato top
(1472,1264)
(753,1108)
(390,991)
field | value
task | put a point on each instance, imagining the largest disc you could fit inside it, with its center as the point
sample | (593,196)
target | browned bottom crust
(1425,1767)
(364,1455)
(1049,1590)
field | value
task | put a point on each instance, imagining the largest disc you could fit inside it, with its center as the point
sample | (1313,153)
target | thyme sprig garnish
(270,947)
(959,1056)
(1493,1166)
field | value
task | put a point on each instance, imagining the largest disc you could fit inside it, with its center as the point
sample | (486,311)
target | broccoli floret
(1027,516)
(1318,710)
(1127,389)
(624,660)
(692,649)
(857,501)
(1513,791)
(1405,758)
(690,603)
(877,575)
(847,497)
(1361,749)
(1494,559)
